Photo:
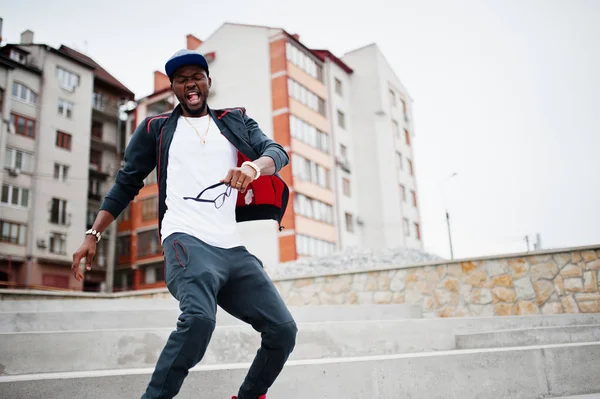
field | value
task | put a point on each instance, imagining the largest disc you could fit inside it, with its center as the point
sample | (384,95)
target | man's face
(190,86)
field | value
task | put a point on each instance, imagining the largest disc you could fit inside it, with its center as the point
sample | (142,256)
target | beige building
(59,151)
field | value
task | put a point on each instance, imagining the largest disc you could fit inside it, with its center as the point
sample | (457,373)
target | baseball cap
(185,57)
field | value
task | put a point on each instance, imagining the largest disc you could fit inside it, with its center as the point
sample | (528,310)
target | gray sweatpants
(201,276)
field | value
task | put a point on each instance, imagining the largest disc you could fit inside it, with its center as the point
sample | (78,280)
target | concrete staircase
(107,349)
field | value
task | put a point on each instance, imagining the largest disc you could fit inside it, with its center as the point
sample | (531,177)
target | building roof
(324,54)
(12,64)
(99,72)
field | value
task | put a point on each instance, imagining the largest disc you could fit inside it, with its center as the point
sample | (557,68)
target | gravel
(351,259)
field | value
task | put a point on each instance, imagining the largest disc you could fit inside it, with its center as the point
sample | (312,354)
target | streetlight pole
(447,213)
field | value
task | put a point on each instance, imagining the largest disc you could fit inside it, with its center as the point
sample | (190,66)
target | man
(214,168)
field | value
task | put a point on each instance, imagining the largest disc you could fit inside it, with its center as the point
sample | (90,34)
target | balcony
(105,107)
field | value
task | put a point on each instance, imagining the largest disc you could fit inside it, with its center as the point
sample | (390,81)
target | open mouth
(193,97)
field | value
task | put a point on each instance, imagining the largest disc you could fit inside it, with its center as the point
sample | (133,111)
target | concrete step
(43,352)
(506,373)
(164,317)
(529,336)
(90,316)
(36,352)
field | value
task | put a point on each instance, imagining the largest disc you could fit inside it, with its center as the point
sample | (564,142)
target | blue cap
(185,57)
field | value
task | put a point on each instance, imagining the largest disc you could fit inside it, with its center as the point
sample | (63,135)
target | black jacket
(149,149)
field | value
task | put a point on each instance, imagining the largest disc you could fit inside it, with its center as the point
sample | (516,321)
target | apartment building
(384,159)
(59,152)
(311,102)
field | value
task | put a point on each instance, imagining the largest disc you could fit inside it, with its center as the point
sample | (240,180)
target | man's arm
(272,157)
(140,160)
(266,148)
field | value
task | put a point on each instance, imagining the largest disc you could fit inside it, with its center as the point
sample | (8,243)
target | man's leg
(194,274)
(251,296)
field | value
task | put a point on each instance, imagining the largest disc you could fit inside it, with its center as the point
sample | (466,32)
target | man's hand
(240,178)
(87,250)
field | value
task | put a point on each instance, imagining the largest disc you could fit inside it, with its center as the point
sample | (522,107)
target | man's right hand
(87,250)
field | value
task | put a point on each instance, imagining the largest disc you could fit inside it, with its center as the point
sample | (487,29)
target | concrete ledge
(529,336)
(516,373)
(29,352)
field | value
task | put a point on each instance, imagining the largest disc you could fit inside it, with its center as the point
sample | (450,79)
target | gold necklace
(203,138)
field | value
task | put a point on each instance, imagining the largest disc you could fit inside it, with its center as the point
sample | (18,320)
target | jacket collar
(217,117)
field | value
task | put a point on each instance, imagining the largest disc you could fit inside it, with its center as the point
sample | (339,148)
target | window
(406,227)
(147,243)
(154,273)
(58,243)
(402,193)
(309,134)
(13,233)
(124,246)
(96,159)
(18,56)
(97,130)
(17,159)
(341,119)
(346,187)
(63,140)
(417,231)
(303,61)
(338,87)
(51,280)
(150,208)
(94,187)
(101,253)
(305,96)
(13,195)
(125,215)
(392,98)
(58,212)
(309,171)
(414,197)
(312,208)
(91,218)
(61,172)
(410,166)
(407,136)
(65,108)
(98,101)
(344,153)
(396,128)
(306,245)
(399,160)
(404,109)
(24,93)
(349,223)
(67,79)
(23,126)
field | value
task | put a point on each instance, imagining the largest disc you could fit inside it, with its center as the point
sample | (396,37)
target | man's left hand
(240,178)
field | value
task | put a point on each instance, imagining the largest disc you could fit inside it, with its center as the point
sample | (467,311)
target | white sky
(505,93)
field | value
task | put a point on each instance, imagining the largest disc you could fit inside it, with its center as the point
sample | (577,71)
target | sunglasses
(218,201)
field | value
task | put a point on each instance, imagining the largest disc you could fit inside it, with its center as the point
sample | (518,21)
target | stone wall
(549,282)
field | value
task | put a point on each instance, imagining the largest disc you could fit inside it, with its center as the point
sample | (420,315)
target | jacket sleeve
(264,146)
(139,161)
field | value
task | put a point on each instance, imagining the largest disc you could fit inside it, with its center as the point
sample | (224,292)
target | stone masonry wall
(547,283)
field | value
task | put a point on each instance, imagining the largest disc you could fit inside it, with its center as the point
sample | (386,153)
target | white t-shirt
(192,167)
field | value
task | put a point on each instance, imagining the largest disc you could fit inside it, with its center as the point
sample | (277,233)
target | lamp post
(448,213)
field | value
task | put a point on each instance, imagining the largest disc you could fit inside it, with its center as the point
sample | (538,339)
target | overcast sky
(505,94)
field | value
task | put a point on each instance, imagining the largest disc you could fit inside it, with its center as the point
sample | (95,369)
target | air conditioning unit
(41,244)
(359,221)
(14,172)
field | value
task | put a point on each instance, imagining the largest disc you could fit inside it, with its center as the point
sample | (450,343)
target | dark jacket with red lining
(149,148)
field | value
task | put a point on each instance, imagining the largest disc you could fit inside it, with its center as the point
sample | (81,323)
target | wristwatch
(94,233)
(253,166)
